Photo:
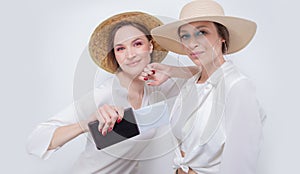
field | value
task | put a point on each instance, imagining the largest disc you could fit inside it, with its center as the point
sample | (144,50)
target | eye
(138,43)
(120,49)
(185,36)
(200,33)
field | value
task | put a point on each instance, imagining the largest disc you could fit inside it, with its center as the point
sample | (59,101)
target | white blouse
(218,124)
(119,158)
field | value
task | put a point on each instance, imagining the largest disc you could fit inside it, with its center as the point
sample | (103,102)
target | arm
(243,127)
(50,135)
(64,134)
(39,140)
(158,73)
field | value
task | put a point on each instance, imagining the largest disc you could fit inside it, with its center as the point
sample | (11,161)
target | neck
(135,88)
(209,69)
(130,82)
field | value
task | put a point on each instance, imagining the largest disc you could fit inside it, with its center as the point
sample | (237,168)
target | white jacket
(218,124)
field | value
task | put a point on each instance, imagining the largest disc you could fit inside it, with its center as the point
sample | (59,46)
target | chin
(197,62)
(134,73)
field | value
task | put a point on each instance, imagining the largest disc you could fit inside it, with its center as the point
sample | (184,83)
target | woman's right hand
(156,73)
(107,116)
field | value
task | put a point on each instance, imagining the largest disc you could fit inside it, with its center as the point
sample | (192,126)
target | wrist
(83,126)
(169,71)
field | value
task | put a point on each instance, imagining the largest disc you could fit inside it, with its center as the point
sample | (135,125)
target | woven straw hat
(99,41)
(241,31)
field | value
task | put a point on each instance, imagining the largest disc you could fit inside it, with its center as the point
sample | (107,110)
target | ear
(151,47)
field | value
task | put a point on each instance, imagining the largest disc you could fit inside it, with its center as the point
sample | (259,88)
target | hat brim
(241,32)
(99,41)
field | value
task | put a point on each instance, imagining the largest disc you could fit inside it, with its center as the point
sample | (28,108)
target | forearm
(183,71)
(64,134)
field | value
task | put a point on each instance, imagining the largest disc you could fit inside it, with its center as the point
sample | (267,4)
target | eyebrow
(131,42)
(197,27)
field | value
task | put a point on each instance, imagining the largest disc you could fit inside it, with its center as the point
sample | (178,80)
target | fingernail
(104,133)
(146,78)
(110,129)
(153,71)
(119,120)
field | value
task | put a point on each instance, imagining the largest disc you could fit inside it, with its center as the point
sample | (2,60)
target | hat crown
(201,8)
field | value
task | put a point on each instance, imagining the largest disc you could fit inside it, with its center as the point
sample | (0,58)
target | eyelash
(201,32)
(197,33)
(138,43)
(120,48)
(185,36)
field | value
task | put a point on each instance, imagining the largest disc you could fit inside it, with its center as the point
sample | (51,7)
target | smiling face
(132,49)
(201,42)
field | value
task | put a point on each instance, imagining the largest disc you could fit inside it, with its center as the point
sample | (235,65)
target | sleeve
(40,138)
(243,127)
(172,87)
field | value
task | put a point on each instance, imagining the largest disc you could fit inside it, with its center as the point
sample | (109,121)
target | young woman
(122,45)
(216,119)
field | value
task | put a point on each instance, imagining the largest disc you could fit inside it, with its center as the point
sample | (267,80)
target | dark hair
(111,55)
(224,34)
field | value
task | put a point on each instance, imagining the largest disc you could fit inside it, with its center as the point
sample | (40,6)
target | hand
(155,74)
(107,116)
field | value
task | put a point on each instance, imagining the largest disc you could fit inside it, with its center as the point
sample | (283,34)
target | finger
(107,121)
(147,70)
(120,112)
(101,120)
(113,114)
(144,74)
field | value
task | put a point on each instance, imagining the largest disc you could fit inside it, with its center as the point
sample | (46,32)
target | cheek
(144,50)
(185,48)
(144,53)
(120,58)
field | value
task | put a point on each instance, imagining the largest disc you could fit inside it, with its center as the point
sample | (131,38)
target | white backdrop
(41,42)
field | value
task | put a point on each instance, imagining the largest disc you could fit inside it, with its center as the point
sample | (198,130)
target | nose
(193,43)
(131,53)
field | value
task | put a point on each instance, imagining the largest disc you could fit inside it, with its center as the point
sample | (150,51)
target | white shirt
(218,124)
(119,158)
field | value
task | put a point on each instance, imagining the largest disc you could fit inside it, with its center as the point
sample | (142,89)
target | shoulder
(104,90)
(234,79)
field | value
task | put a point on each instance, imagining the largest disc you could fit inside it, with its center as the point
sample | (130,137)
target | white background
(41,42)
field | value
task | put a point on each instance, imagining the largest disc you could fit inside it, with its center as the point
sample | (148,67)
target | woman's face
(132,49)
(201,42)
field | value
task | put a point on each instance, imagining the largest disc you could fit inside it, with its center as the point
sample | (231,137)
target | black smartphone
(127,128)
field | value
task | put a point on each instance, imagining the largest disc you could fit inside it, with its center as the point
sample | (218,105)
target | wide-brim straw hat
(99,41)
(241,31)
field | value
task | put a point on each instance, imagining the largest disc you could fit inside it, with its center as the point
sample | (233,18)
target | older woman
(216,119)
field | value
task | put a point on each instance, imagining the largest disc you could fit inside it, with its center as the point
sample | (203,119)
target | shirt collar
(220,73)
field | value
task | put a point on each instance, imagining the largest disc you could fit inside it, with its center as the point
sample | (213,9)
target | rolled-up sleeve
(40,138)
(243,126)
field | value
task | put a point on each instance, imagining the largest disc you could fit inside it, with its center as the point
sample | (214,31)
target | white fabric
(119,158)
(219,125)
(152,116)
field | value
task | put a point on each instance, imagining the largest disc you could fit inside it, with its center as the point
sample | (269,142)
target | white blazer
(218,124)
